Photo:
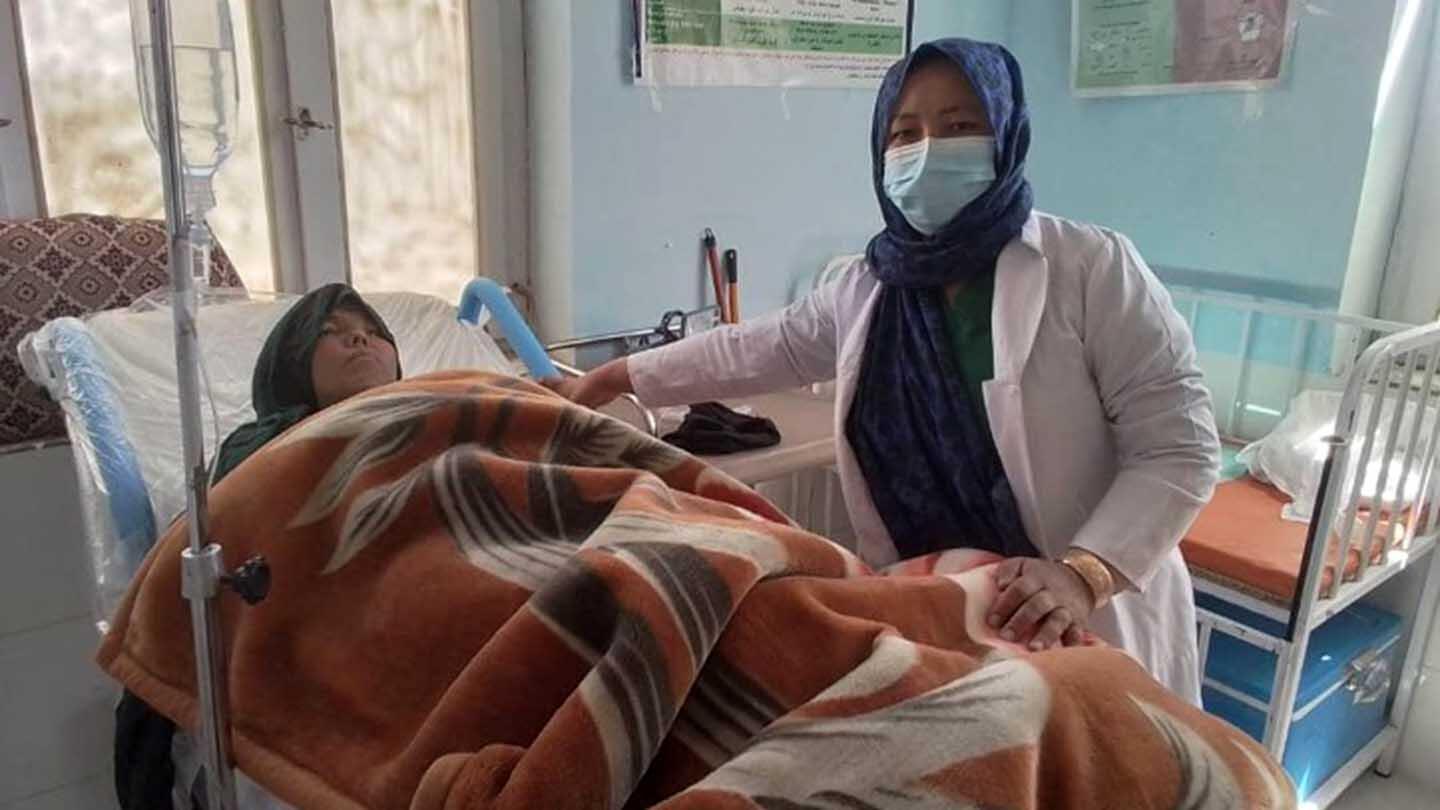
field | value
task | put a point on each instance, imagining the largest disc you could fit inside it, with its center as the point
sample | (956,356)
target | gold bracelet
(1094,573)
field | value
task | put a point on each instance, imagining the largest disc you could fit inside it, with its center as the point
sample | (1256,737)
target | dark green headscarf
(282,389)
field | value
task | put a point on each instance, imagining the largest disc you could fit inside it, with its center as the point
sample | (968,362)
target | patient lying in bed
(329,346)
(485,596)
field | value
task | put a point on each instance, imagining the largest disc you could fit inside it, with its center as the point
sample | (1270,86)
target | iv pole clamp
(202,565)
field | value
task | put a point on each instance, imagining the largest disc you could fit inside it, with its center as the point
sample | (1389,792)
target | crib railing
(1398,373)
(1379,494)
(1395,373)
(1259,353)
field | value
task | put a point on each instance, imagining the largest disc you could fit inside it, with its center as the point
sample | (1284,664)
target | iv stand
(202,572)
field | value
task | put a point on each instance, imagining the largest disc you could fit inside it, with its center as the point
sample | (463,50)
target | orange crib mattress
(1240,540)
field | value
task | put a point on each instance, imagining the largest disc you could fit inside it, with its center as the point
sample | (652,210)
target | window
(95,156)
(404,79)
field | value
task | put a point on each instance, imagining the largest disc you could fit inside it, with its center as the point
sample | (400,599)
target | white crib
(1374,367)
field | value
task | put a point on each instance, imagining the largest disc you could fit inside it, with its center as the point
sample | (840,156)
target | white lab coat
(1099,413)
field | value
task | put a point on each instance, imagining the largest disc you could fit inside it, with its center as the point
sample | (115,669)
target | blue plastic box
(1345,688)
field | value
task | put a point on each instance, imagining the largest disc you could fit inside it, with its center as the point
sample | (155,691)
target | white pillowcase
(137,348)
(1292,456)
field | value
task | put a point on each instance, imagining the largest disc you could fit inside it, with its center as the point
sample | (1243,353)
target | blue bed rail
(92,404)
(483,293)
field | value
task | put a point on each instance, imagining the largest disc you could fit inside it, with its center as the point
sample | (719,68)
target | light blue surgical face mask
(932,180)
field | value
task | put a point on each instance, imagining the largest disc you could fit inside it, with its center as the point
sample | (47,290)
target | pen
(732,275)
(713,259)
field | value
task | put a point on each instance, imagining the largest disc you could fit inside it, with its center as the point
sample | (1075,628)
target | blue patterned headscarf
(923,445)
(902,256)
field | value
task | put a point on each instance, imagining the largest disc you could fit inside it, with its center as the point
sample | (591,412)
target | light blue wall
(1255,188)
(1261,186)
(977,19)
(781,176)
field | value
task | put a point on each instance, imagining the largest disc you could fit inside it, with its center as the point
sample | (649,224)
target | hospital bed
(113,374)
(114,377)
(1291,645)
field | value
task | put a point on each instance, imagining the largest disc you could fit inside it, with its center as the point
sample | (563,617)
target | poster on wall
(769,43)
(1143,47)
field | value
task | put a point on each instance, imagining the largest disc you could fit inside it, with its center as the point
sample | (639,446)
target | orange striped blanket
(485,597)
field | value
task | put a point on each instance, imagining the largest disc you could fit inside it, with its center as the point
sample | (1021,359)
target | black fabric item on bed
(711,429)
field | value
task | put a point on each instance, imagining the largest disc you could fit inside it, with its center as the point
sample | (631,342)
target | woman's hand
(1041,602)
(597,388)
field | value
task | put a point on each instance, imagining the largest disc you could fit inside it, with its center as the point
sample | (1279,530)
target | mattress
(1240,541)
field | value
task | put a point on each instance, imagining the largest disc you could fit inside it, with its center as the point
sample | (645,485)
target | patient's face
(351,357)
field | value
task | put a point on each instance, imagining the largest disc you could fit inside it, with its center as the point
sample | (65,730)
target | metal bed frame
(1396,365)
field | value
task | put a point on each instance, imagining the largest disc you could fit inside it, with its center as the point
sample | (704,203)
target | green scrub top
(967,314)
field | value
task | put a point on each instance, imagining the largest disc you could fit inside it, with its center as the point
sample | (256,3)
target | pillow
(137,350)
(72,265)
(1293,455)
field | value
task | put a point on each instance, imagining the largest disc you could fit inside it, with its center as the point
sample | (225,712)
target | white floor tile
(97,793)
(56,710)
(46,577)
(1377,793)
(1420,751)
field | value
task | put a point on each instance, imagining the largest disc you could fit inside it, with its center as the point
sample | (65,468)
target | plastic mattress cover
(114,376)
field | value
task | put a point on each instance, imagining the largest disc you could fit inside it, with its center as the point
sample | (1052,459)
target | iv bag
(207,88)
